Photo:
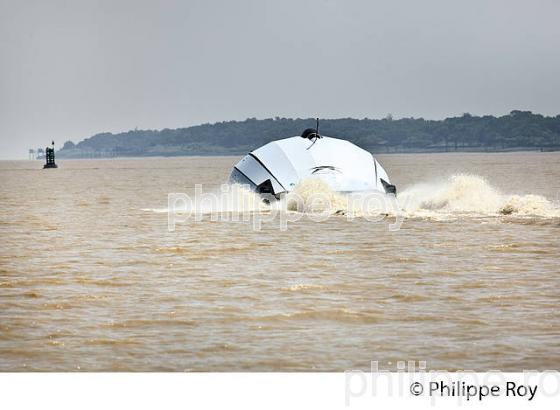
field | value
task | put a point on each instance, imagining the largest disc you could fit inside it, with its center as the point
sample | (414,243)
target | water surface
(91,279)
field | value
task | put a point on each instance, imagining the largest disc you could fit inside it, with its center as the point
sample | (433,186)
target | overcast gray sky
(70,69)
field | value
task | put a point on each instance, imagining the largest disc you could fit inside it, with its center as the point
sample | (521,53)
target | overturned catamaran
(277,167)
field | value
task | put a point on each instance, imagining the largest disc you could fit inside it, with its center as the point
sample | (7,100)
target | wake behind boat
(277,167)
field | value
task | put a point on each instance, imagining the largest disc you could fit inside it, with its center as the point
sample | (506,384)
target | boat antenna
(315,136)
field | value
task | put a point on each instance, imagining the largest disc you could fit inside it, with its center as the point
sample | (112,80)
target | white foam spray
(459,195)
(465,194)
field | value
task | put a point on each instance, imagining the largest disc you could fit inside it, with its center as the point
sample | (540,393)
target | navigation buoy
(49,155)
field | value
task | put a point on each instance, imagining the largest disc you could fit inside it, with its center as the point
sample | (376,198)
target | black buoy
(49,155)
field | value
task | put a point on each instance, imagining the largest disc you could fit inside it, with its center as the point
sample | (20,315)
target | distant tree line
(515,131)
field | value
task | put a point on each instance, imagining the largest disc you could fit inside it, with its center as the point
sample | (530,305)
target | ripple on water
(145,323)
(113,342)
(303,287)
(335,315)
(113,282)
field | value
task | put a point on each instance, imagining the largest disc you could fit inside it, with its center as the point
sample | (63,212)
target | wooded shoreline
(517,131)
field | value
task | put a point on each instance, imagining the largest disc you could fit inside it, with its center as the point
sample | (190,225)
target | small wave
(112,342)
(310,196)
(102,282)
(302,287)
(142,323)
(401,297)
(229,198)
(459,196)
(336,315)
(313,195)
(471,194)
(529,205)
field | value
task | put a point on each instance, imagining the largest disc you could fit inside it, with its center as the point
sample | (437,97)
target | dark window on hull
(237,177)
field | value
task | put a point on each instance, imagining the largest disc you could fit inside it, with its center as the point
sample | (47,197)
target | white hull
(278,166)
